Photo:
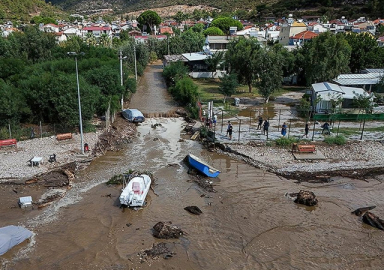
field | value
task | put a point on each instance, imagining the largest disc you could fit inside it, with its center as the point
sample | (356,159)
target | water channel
(247,224)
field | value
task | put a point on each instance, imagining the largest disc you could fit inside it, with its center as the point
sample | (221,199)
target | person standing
(265,127)
(260,119)
(326,128)
(306,130)
(284,129)
(230,129)
(214,120)
(229,124)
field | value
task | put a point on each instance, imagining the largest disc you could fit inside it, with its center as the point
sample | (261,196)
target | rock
(166,231)
(373,220)
(306,197)
(193,210)
(362,210)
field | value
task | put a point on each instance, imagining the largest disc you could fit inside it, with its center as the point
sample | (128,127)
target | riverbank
(357,159)
(15,165)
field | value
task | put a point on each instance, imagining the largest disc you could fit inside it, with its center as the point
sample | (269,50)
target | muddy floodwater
(247,224)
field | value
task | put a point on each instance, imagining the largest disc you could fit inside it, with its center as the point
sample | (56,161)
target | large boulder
(166,231)
(373,220)
(306,197)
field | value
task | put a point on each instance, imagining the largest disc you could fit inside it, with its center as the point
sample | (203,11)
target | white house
(329,92)
(97,31)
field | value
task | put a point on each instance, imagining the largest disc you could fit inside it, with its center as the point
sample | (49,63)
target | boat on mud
(202,166)
(134,193)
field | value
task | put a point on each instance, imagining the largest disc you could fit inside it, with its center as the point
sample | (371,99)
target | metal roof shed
(329,91)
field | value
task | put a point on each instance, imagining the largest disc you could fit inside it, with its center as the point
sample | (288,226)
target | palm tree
(90,39)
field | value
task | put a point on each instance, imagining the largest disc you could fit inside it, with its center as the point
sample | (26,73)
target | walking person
(306,130)
(260,119)
(265,127)
(229,124)
(230,129)
(284,129)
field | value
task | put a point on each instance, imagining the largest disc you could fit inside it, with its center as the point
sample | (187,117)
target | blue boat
(202,166)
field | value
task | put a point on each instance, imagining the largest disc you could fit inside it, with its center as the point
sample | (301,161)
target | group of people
(264,124)
(211,122)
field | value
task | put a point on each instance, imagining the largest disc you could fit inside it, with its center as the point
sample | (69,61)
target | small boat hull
(135,192)
(202,166)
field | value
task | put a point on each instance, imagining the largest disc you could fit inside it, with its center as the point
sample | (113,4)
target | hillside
(24,10)
(278,8)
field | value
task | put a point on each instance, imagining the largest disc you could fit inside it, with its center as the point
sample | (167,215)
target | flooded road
(152,96)
(247,224)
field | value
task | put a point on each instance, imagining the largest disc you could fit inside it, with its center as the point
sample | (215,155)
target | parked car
(133,115)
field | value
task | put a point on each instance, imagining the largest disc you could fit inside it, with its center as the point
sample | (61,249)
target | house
(72,32)
(380,41)
(317,27)
(97,31)
(146,38)
(302,37)
(166,30)
(196,61)
(328,93)
(60,37)
(216,43)
(50,28)
(289,30)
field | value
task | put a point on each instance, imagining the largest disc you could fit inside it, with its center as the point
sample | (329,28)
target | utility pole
(134,51)
(121,78)
(78,97)
(168,43)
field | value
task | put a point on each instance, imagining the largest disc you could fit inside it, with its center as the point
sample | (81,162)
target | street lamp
(121,77)
(134,51)
(78,97)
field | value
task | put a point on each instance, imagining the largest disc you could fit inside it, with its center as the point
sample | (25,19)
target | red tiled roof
(97,28)
(51,24)
(164,30)
(305,35)
(313,23)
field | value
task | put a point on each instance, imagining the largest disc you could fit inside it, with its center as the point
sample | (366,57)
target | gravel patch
(14,161)
(352,156)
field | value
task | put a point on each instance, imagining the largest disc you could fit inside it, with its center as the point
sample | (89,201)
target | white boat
(134,193)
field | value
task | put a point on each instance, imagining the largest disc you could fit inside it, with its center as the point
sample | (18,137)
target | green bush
(285,141)
(339,140)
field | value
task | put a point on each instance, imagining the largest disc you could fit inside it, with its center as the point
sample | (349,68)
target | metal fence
(246,124)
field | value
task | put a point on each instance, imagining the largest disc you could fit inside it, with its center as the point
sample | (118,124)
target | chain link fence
(246,127)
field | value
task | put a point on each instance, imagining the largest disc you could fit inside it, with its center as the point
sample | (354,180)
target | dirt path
(152,98)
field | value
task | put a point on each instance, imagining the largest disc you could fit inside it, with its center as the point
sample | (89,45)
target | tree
(185,91)
(270,73)
(213,31)
(361,44)
(105,40)
(324,58)
(174,72)
(243,59)
(180,17)
(214,61)
(149,18)
(224,23)
(363,102)
(228,85)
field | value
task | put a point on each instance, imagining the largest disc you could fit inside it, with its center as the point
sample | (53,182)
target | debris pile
(165,231)
(306,197)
